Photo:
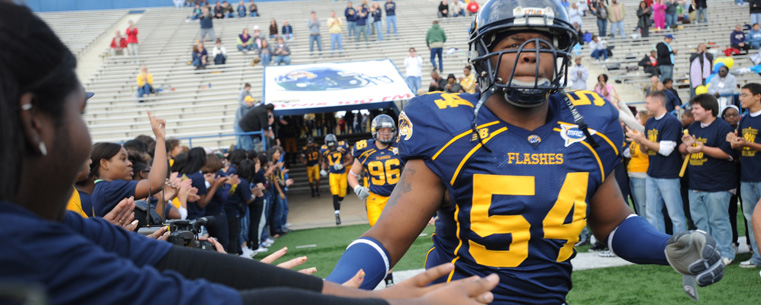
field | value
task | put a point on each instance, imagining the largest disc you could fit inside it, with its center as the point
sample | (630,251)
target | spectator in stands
(578,75)
(336,37)
(228,9)
(468,83)
(438,83)
(606,90)
(390,8)
(273,28)
(443,9)
(700,68)
(616,14)
(118,44)
(351,17)
(701,6)
(723,84)
(737,39)
(649,63)
(755,12)
(241,10)
(253,9)
(413,67)
(287,30)
(131,32)
(207,26)
(282,53)
(212,169)
(435,39)
(655,85)
(219,53)
(144,83)
(246,104)
(601,12)
(666,57)
(257,38)
(314,33)
(711,172)
(245,92)
(197,12)
(219,11)
(361,23)
(200,56)
(754,37)
(265,53)
(574,15)
(661,136)
(377,14)
(472,7)
(747,141)
(259,118)
(636,168)
(671,16)
(644,17)
(458,8)
(598,49)
(668,87)
(245,42)
(452,86)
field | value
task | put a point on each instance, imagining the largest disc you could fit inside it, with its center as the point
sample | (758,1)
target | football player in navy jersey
(380,157)
(517,171)
(310,156)
(335,159)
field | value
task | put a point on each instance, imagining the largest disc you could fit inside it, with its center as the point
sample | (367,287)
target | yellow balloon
(729,61)
(719,61)
(701,89)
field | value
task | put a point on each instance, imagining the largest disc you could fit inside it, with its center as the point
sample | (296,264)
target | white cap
(256,27)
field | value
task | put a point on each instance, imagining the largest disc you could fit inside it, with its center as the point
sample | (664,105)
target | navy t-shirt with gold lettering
(668,128)
(707,173)
(751,159)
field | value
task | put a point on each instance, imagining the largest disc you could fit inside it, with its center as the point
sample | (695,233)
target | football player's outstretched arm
(354,173)
(415,198)
(633,238)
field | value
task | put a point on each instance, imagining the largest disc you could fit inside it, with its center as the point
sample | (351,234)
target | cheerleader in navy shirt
(190,168)
(113,172)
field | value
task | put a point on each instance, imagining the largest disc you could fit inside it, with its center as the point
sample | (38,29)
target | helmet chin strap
(484,96)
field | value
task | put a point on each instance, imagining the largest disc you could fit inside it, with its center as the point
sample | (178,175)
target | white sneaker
(726,261)
(607,60)
(748,264)
(606,253)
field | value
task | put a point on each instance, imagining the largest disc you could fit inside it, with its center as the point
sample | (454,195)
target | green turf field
(619,285)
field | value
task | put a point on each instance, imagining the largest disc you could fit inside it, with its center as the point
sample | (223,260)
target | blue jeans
(437,52)
(254,14)
(243,142)
(667,71)
(244,223)
(230,15)
(671,20)
(265,59)
(241,13)
(198,63)
(276,213)
(391,20)
(285,209)
(286,60)
(596,54)
(709,212)
(220,59)
(315,39)
(639,194)
(378,27)
(617,28)
(144,90)
(755,18)
(248,47)
(659,191)
(352,28)
(414,82)
(751,193)
(702,15)
(601,25)
(336,40)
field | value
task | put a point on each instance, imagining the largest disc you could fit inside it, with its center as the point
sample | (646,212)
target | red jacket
(122,43)
(131,35)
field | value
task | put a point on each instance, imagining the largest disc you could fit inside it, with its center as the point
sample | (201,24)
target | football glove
(338,166)
(323,173)
(695,253)
(362,192)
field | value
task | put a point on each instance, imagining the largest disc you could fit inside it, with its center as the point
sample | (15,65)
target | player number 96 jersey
(519,209)
(384,167)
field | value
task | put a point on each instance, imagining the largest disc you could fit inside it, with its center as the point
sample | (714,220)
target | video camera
(184,233)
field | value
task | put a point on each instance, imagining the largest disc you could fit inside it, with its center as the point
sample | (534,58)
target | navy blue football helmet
(331,141)
(383,121)
(321,79)
(496,20)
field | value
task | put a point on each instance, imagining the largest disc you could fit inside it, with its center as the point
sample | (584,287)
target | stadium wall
(83,5)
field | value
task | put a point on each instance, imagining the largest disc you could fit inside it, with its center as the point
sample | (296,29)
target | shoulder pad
(429,121)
